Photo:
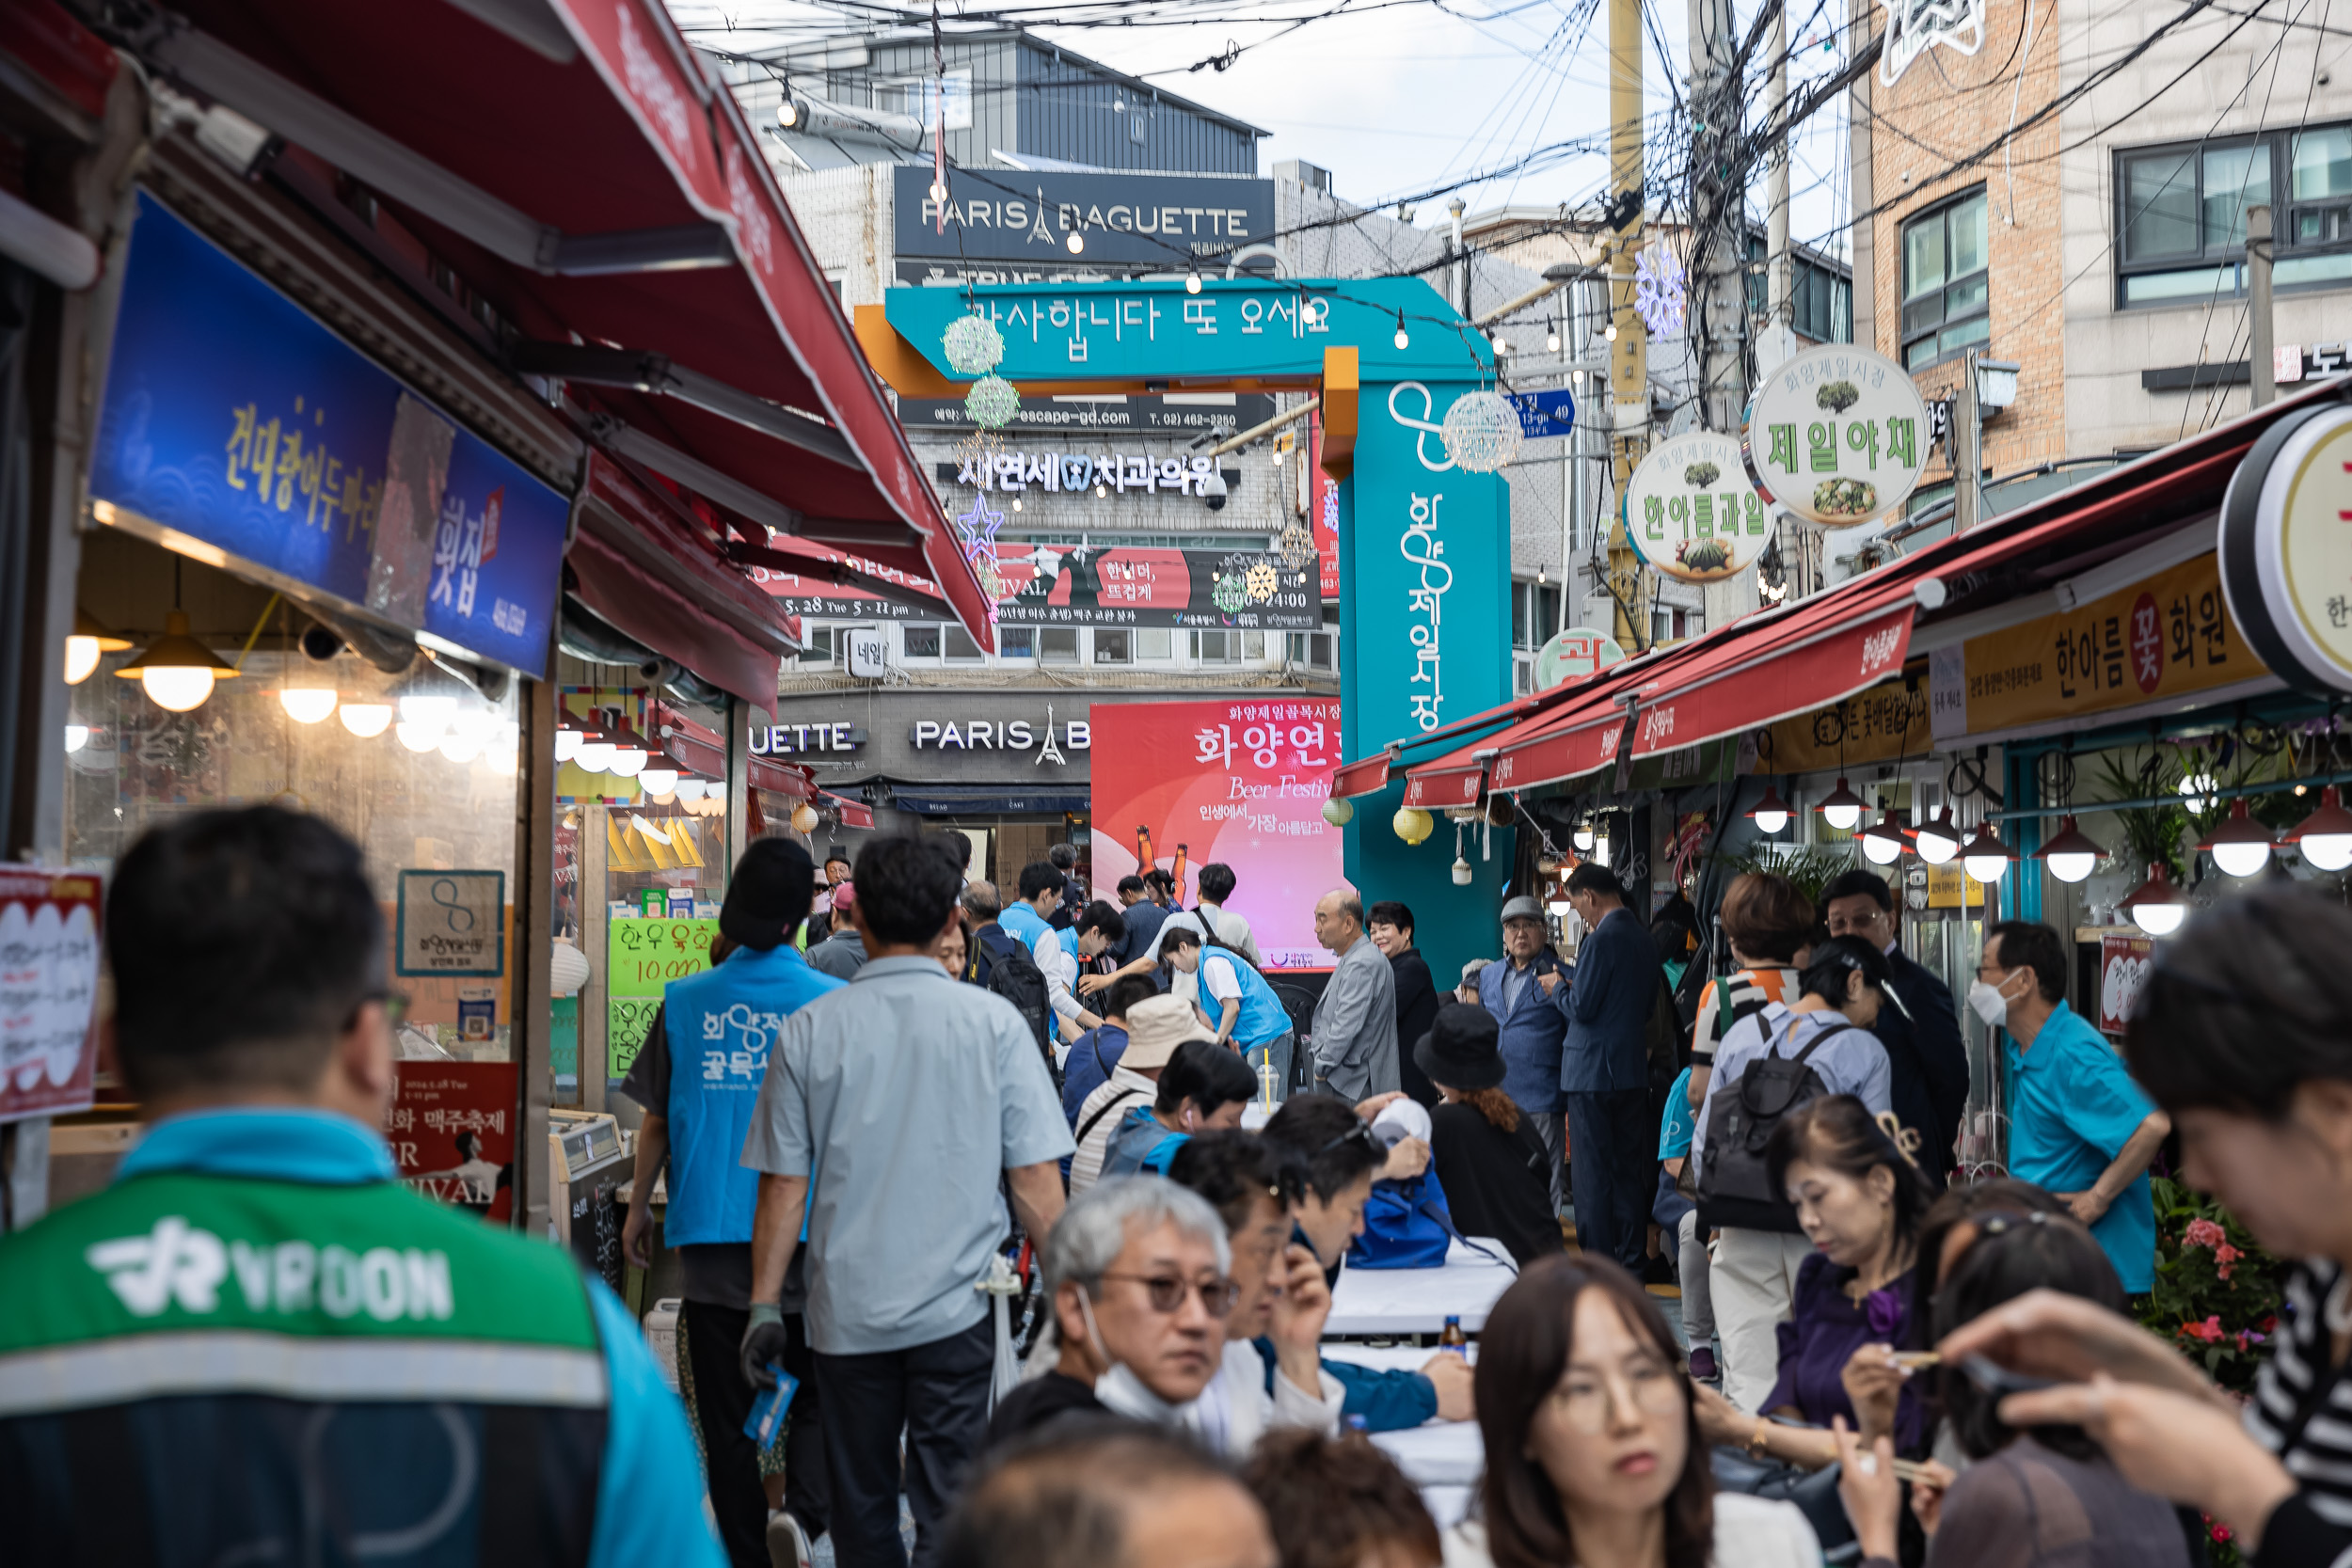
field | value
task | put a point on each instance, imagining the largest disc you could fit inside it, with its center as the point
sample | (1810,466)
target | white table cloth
(1419,1301)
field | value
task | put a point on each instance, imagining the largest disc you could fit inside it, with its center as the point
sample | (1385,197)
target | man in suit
(1604,1071)
(1927,1060)
(1533,1018)
(1392,931)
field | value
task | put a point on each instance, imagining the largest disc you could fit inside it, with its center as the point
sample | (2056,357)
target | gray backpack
(1735,1184)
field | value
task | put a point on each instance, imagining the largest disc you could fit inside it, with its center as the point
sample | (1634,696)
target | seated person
(1155,1027)
(1342,1161)
(1340,1502)
(1495,1170)
(1203,1085)
(1254,1182)
(1592,1453)
(1102,1493)
(1097,1050)
(1861,1202)
(2047,1495)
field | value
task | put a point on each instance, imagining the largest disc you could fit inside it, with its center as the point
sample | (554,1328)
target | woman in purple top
(1861,1202)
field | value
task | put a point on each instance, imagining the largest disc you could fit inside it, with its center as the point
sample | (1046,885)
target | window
(1534,613)
(960,646)
(1057,644)
(1323,650)
(2181,215)
(1217,647)
(1156,643)
(922,642)
(1944,282)
(820,645)
(1113,647)
(1016,642)
(1661,626)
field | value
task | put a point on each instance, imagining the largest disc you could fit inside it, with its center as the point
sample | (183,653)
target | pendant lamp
(177,671)
(2072,854)
(87,640)
(2239,844)
(1771,813)
(2156,906)
(1985,857)
(1883,840)
(1842,808)
(2326,835)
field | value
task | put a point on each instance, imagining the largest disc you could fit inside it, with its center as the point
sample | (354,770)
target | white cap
(1401,1119)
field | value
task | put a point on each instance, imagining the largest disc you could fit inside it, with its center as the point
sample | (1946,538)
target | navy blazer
(1608,1008)
(1929,1061)
(1532,1033)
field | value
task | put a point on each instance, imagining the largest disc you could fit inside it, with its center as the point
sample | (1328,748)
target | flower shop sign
(1691,511)
(1837,434)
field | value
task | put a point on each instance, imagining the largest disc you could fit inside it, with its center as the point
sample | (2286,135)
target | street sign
(1690,510)
(1574,654)
(1551,413)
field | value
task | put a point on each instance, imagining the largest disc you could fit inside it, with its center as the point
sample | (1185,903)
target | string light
(1402,341)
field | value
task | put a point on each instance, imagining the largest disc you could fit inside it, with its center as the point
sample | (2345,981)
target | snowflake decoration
(1657,292)
(1296,546)
(1261,583)
(973,345)
(992,403)
(1230,594)
(1480,432)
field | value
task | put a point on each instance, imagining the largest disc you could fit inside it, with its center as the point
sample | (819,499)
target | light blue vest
(721,1024)
(1264,1019)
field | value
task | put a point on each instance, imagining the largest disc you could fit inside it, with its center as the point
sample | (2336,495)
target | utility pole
(1628,365)
(1460,279)
(1718,217)
(1780,343)
(2260,351)
(1968,439)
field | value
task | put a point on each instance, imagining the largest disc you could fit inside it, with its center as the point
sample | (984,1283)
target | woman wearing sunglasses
(2244,1037)
(1592,1447)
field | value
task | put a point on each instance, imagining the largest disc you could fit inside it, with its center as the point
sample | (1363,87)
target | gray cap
(1521,908)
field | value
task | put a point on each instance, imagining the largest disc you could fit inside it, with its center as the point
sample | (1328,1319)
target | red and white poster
(2124,963)
(49,933)
(451,1128)
(1322,505)
(1238,781)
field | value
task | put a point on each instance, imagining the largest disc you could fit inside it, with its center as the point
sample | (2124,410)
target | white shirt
(1060,968)
(1236,1410)
(1850,1062)
(1233,931)
(1750,1532)
(1221,985)
(1085,1165)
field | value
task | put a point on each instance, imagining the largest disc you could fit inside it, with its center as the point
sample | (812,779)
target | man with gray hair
(1354,1024)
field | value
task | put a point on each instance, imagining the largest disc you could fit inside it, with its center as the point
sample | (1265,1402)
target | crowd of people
(980,1127)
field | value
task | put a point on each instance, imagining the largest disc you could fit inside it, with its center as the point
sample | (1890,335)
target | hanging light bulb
(176,670)
(939,192)
(627,761)
(1192,282)
(660,775)
(1583,837)
(1842,808)
(1552,338)
(1771,813)
(83,646)
(1462,872)
(1403,340)
(594,754)
(306,705)
(2239,844)
(2324,837)
(1101,490)
(1939,838)
(418,736)
(77,736)
(1609,332)
(1076,241)
(2156,907)
(1883,840)
(2072,854)
(366,720)
(1985,857)
(568,743)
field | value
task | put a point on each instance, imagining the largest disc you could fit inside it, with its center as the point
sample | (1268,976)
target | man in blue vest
(1237,1002)
(698,1077)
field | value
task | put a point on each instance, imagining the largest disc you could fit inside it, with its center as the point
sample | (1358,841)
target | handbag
(1814,1492)
(1407,1225)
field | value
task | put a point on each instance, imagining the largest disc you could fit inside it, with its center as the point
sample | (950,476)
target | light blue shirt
(910,1095)
(2073,1107)
(1854,1061)
(649,1492)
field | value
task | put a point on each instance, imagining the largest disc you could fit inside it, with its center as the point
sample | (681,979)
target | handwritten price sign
(451,923)
(627,1019)
(642,957)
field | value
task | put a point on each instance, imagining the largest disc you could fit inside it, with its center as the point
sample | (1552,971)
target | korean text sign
(232,416)
(1241,782)
(1837,434)
(48,991)
(642,957)
(452,1129)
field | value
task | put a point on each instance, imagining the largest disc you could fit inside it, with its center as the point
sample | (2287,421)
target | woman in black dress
(1486,1154)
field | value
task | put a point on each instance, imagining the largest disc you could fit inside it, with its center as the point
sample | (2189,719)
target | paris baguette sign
(2286,553)
(1837,434)
(1691,513)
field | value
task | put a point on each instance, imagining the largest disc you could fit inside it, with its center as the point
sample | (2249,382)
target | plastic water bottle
(1267,1084)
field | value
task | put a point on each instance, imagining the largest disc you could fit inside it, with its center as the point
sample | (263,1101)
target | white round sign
(1837,434)
(1574,654)
(1691,513)
(2286,562)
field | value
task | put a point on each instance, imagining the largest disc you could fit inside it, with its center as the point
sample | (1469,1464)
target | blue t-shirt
(1081,1074)
(1678,1121)
(2072,1106)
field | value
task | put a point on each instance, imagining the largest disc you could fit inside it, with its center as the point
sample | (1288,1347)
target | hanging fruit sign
(1691,511)
(1837,435)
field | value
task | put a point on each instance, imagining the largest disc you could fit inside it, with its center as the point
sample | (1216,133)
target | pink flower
(2205,1233)
(2209,1331)
(2224,1256)
(2221,1533)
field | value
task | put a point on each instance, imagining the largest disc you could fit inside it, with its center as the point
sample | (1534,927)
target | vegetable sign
(1837,435)
(1691,511)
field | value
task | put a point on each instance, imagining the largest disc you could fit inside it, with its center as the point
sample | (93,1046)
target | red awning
(854,814)
(1368,777)
(575,164)
(1437,789)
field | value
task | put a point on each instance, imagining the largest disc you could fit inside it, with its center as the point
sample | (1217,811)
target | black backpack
(1735,1184)
(1009,970)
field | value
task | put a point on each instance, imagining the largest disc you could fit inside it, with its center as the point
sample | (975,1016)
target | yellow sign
(1951,887)
(1877,725)
(2167,636)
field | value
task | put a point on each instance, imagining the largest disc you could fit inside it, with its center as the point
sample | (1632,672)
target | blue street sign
(1551,413)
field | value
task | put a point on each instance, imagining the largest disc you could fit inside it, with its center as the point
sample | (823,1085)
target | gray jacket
(840,954)
(1354,1025)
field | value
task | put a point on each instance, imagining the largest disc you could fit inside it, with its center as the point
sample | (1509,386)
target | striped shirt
(2302,1411)
(1752,990)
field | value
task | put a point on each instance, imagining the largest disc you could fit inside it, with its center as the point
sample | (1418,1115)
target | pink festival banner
(1187,784)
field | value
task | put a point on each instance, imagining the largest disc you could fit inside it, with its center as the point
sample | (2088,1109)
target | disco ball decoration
(992,403)
(1297,546)
(973,345)
(1261,583)
(1230,594)
(1480,432)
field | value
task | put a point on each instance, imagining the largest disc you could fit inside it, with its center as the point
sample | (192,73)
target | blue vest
(721,1024)
(1264,1019)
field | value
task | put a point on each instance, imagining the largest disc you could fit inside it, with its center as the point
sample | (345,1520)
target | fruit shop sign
(1837,435)
(1690,511)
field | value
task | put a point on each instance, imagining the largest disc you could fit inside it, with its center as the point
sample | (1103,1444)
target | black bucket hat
(768,893)
(1460,1051)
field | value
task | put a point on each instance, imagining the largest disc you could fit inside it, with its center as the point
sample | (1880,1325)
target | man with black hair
(1389,924)
(1203,1085)
(1144,919)
(1216,885)
(1342,1158)
(257,1341)
(821,923)
(1604,1071)
(719,1025)
(960,843)
(1042,886)
(1921,1032)
(1098,1048)
(1064,859)
(902,1229)
(1108,1494)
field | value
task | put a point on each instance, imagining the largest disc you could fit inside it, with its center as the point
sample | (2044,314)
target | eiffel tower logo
(1050,751)
(1038,232)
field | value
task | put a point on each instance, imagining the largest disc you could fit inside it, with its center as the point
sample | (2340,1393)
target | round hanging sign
(1574,654)
(2286,554)
(1690,510)
(1837,434)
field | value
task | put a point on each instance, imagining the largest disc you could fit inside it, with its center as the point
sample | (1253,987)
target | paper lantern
(1412,824)
(567,969)
(1339,811)
(804,818)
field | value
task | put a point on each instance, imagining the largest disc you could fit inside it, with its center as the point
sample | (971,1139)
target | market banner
(1838,434)
(2167,636)
(1691,511)
(1242,783)
(452,1131)
(1054,585)
(1881,724)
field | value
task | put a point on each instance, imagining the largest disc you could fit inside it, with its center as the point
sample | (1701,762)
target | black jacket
(1416,1010)
(1927,1062)
(1496,1183)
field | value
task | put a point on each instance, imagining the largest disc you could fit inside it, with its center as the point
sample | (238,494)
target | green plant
(2216,1291)
(2152,834)
(1809,869)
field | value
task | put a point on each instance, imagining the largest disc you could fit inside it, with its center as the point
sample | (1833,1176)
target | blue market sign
(234,417)
(1551,413)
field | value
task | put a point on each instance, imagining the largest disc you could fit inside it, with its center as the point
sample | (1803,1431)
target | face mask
(1986,1001)
(1120,1390)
